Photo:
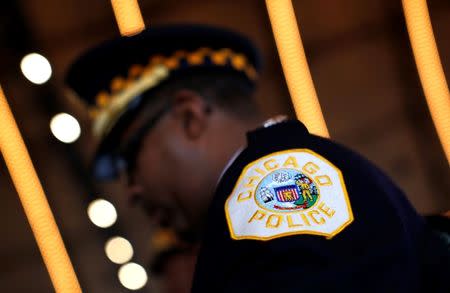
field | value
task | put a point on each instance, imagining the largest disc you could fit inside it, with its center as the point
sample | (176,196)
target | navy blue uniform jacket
(380,251)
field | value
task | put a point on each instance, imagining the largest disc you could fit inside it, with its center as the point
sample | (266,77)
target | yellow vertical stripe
(429,67)
(295,66)
(35,203)
(128,16)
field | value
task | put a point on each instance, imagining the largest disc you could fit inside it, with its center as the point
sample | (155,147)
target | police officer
(278,209)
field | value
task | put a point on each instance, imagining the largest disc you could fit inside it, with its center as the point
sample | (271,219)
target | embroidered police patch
(286,193)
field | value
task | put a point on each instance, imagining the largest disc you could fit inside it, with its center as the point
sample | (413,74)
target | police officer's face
(178,164)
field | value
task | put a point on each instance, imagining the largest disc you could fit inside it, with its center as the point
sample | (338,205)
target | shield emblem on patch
(287,193)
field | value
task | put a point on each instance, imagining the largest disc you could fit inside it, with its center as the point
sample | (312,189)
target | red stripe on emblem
(294,190)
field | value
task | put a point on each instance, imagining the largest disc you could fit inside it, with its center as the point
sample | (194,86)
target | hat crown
(113,60)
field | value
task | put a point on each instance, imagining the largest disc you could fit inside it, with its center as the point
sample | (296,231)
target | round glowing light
(132,276)
(102,213)
(119,250)
(65,127)
(36,68)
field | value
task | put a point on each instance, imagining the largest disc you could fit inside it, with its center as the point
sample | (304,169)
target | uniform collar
(274,128)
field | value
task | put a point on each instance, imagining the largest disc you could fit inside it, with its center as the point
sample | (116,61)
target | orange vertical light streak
(429,67)
(128,16)
(35,203)
(295,65)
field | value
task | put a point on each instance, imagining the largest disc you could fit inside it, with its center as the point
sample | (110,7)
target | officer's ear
(191,111)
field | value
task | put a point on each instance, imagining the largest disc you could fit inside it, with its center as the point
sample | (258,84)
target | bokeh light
(36,68)
(132,276)
(119,250)
(102,213)
(65,127)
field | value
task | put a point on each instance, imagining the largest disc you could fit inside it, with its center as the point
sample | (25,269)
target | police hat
(113,77)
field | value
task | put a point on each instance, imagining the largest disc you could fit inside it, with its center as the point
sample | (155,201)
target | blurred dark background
(361,63)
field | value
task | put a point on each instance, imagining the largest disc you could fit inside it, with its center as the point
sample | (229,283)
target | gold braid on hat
(110,103)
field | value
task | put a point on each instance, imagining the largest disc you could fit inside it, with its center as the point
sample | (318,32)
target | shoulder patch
(286,193)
